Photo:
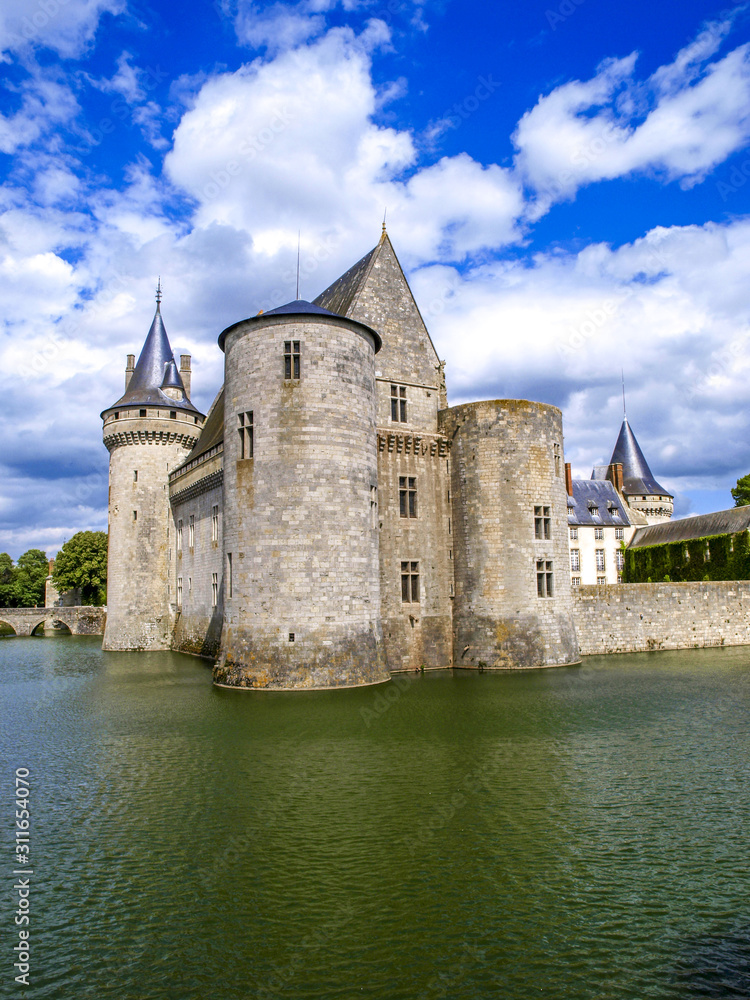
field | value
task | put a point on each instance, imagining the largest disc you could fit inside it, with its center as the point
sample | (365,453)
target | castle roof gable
(375,292)
(596,502)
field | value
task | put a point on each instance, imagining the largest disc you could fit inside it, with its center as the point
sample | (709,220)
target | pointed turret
(639,487)
(155,372)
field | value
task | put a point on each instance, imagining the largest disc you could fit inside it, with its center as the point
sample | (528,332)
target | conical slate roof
(155,369)
(636,475)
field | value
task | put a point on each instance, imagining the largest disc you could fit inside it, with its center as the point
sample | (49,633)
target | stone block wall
(416,633)
(633,617)
(198,619)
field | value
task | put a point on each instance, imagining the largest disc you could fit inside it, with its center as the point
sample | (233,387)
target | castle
(331,520)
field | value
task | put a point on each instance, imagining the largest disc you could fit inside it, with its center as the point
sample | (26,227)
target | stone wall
(631,617)
(198,618)
(506,458)
(416,633)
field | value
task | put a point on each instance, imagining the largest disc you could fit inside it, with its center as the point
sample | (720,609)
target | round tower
(513,605)
(148,432)
(301,583)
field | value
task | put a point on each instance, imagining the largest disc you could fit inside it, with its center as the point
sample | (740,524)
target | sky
(567,186)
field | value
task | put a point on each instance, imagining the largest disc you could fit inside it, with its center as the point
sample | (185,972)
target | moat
(574,833)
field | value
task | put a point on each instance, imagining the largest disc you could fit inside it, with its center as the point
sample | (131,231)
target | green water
(575,833)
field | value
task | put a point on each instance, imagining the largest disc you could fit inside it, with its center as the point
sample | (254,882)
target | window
(179,591)
(215,523)
(619,534)
(407,496)
(541,522)
(601,581)
(398,403)
(135,475)
(574,534)
(544,586)
(245,431)
(135,515)
(291,359)
(191,532)
(190,585)
(179,535)
(214,589)
(575,581)
(229,574)
(410,582)
(141,413)
(173,414)
(374,506)
(558,460)
(600,559)
(620,560)
(599,533)
(575,560)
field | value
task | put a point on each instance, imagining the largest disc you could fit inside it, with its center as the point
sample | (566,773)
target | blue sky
(567,186)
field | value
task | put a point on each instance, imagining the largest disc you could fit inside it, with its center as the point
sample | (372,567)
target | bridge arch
(8,625)
(52,620)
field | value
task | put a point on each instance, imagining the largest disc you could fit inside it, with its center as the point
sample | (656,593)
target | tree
(32,570)
(741,492)
(82,562)
(8,594)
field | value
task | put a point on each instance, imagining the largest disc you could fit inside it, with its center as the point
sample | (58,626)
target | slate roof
(722,522)
(637,478)
(595,501)
(212,432)
(299,307)
(155,369)
(339,296)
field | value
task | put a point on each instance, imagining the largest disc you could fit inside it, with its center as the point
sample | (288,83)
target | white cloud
(670,308)
(291,144)
(65,26)
(678,125)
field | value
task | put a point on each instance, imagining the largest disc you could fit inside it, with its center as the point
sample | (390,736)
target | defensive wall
(80,621)
(634,617)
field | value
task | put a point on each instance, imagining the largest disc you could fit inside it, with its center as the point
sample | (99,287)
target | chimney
(185,372)
(568,479)
(51,566)
(129,369)
(614,475)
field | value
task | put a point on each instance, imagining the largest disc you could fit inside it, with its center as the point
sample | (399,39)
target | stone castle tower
(148,432)
(333,521)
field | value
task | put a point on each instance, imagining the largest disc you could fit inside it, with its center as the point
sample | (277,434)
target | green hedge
(729,559)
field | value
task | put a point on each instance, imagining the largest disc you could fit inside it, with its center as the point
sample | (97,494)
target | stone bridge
(80,621)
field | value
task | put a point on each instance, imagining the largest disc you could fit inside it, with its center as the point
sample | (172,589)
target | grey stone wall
(300,517)
(139,573)
(198,620)
(503,464)
(418,633)
(630,617)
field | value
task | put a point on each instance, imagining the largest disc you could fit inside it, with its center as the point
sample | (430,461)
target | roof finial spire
(299,237)
(624,411)
(158,293)
(385,211)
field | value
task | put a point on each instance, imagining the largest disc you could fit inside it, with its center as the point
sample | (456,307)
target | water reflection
(576,833)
